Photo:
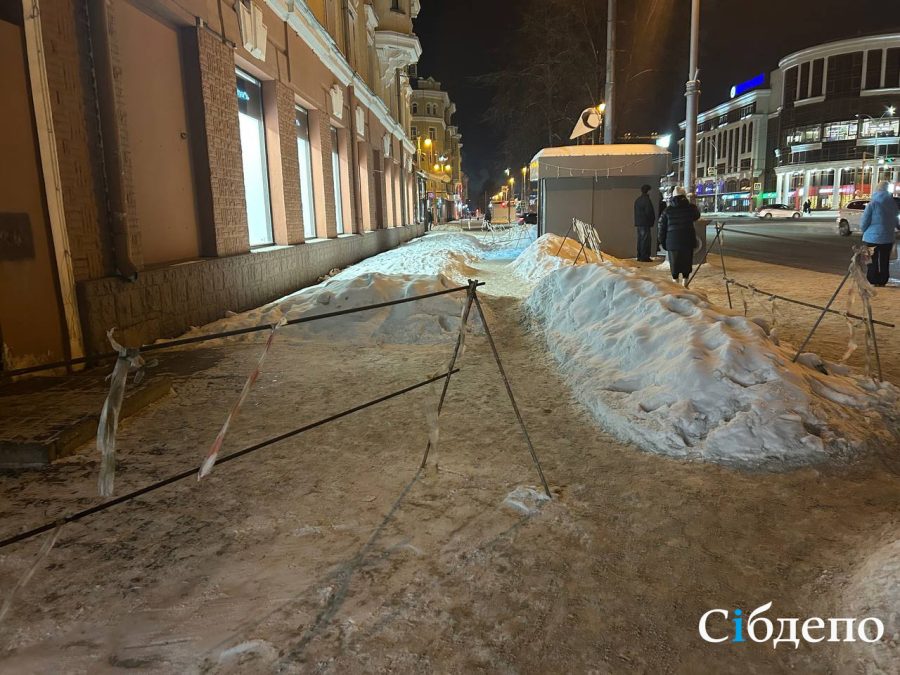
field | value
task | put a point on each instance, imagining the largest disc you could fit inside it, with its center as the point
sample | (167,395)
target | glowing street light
(891,110)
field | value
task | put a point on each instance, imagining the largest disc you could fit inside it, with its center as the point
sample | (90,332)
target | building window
(304,152)
(803,91)
(253,154)
(748,110)
(413,132)
(336,173)
(801,135)
(840,131)
(432,133)
(892,68)
(395,6)
(873,69)
(415,108)
(844,75)
(790,85)
(818,71)
(888,127)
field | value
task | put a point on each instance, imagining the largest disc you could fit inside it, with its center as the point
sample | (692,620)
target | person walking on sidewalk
(677,235)
(879,222)
(644,217)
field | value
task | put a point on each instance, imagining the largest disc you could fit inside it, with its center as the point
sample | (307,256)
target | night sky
(464,38)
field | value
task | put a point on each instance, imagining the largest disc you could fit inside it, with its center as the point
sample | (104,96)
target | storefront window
(840,131)
(253,154)
(336,173)
(887,127)
(304,152)
(800,135)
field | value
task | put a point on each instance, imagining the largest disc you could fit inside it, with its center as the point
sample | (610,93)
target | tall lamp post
(609,128)
(524,183)
(692,94)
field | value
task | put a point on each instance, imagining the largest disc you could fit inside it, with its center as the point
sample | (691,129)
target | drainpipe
(404,216)
(109,114)
(354,151)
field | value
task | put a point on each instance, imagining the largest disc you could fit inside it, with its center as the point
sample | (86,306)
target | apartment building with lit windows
(438,149)
(171,160)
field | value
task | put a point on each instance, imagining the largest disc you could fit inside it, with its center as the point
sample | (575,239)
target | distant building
(824,126)
(438,150)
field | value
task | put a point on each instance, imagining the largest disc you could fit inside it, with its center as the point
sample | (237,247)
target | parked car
(849,218)
(777,211)
(529,218)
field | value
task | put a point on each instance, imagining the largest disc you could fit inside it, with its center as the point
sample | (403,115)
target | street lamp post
(692,94)
(524,171)
(609,126)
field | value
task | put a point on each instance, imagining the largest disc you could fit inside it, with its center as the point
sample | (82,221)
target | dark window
(873,69)
(790,85)
(817,71)
(844,74)
(892,68)
(804,81)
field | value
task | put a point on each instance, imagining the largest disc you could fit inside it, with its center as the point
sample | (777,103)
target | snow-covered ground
(328,552)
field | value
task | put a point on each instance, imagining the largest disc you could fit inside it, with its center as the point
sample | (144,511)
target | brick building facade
(194,157)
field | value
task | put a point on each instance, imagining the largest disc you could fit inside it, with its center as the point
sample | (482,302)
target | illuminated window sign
(752,83)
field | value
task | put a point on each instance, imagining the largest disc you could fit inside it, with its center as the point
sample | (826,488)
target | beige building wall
(30,317)
(172,92)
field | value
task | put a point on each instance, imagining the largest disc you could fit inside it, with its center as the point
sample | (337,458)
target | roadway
(811,244)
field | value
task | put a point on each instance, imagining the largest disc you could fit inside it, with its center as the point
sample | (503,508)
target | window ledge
(315,240)
(807,101)
(269,247)
(880,92)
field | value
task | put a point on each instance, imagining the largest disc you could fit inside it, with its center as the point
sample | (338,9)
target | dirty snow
(874,590)
(664,368)
(425,265)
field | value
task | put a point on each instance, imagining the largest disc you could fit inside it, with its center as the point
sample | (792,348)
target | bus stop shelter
(598,184)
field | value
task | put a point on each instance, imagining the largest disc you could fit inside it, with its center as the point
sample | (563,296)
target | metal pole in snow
(822,315)
(512,399)
(692,94)
(609,123)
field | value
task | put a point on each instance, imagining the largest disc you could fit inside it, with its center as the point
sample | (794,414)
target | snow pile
(440,254)
(428,321)
(662,367)
(544,256)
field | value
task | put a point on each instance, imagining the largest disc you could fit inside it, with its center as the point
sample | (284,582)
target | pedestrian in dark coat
(644,217)
(677,235)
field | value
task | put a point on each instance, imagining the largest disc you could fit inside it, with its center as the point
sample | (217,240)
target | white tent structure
(598,184)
